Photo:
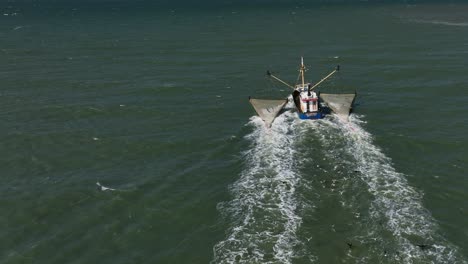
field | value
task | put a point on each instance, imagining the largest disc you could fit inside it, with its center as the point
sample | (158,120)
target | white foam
(264,200)
(395,200)
(265,212)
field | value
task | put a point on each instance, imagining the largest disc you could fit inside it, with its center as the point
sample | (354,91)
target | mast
(302,70)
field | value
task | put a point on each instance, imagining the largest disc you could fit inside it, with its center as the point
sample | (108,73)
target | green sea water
(151,101)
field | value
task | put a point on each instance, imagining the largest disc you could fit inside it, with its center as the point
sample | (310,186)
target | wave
(439,22)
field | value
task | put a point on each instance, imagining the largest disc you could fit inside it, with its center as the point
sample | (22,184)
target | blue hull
(317,115)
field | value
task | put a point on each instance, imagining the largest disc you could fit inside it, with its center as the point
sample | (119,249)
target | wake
(396,205)
(264,206)
(272,195)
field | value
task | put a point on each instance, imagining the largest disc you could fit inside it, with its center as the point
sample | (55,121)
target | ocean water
(150,100)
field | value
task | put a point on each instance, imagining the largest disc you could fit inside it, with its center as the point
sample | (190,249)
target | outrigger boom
(279,80)
(302,71)
(326,77)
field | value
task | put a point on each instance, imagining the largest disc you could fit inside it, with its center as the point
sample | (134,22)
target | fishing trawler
(310,104)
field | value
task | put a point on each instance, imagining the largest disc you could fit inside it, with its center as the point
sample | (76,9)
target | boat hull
(315,115)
